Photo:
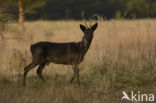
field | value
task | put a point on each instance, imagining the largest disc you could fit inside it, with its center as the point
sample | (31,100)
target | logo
(137,96)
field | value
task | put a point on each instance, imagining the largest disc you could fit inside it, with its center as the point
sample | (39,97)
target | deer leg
(39,71)
(26,70)
(74,69)
(77,75)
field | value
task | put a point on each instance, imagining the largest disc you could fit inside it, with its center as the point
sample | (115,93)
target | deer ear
(94,26)
(82,27)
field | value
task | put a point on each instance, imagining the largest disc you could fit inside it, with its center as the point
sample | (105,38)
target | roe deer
(71,53)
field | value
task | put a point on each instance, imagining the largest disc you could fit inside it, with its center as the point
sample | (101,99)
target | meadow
(122,57)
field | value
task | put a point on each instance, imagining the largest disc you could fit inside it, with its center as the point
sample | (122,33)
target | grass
(121,57)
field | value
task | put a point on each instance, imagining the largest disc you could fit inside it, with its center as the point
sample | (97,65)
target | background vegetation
(72,9)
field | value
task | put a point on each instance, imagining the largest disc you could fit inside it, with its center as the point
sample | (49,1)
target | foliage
(30,6)
(72,9)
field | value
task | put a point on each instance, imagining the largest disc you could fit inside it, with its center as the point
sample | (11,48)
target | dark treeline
(72,9)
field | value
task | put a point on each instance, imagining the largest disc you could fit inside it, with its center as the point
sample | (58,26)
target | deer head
(88,31)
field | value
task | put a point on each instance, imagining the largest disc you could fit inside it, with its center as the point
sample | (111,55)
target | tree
(21,13)
(27,7)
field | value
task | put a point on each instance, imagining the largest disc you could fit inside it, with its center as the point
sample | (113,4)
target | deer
(70,53)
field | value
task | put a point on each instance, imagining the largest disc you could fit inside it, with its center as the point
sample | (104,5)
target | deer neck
(85,44)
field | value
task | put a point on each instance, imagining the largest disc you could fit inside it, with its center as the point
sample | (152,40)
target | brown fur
(71,53)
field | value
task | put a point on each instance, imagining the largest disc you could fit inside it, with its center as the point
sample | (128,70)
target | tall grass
(121,57)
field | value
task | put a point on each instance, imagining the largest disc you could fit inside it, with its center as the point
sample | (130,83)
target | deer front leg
(76,74)
(74,69)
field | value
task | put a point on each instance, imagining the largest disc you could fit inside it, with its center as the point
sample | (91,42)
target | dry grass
(121,57)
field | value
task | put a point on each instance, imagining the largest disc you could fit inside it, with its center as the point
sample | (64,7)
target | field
(122,57)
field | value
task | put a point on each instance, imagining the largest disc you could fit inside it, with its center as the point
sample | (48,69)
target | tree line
(72,9)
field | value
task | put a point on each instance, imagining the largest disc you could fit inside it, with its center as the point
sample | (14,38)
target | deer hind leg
(27,69)
(39,71)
